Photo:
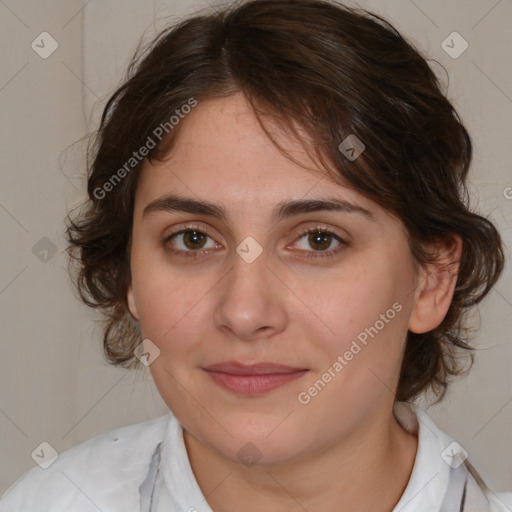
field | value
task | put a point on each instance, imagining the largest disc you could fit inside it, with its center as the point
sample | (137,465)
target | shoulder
(101,473)
(500,501)
(435,450)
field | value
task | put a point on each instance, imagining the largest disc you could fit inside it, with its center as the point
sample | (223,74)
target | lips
(264,368)
(255,378)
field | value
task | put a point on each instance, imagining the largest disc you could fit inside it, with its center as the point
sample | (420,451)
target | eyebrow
(174,203)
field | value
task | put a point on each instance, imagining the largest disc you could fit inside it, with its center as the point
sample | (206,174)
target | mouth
(253,379)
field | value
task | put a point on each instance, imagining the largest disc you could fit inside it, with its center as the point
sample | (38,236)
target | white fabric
(105,473)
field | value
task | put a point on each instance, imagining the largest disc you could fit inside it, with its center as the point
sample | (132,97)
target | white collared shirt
(109,472)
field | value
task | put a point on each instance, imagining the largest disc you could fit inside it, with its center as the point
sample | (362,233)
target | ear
(131,302)
(436,286)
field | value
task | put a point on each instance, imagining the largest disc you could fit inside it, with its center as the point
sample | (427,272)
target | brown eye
(190,240)
(320,240)
(194,239)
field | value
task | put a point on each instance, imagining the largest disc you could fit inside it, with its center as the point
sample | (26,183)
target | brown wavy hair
(333,71)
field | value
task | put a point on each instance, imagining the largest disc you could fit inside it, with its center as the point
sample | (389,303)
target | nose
(251,303)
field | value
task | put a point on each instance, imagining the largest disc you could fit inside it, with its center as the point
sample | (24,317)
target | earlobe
(436,287)
(131,303)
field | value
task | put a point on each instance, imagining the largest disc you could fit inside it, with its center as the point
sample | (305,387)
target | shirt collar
(424,492)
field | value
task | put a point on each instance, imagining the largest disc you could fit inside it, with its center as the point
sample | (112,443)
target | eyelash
(301,233)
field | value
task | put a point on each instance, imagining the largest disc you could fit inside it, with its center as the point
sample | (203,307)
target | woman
(277,208)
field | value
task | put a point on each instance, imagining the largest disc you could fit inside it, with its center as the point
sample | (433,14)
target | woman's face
(251,286)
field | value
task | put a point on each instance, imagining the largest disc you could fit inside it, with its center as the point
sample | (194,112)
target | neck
(369,470)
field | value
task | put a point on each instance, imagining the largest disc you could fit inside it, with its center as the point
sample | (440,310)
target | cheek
(351,301)
(175,312)
(165,298)
(366,313)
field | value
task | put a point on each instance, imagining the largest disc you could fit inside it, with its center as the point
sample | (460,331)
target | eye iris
(195,238)
(321,239)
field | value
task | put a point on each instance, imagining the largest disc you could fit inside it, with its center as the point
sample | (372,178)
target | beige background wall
(54,383)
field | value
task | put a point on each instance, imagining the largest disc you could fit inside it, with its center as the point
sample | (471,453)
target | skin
(283,307)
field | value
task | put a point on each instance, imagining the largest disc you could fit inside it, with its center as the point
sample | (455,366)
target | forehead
(223,155)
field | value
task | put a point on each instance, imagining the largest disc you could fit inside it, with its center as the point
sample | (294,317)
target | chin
(251,441)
